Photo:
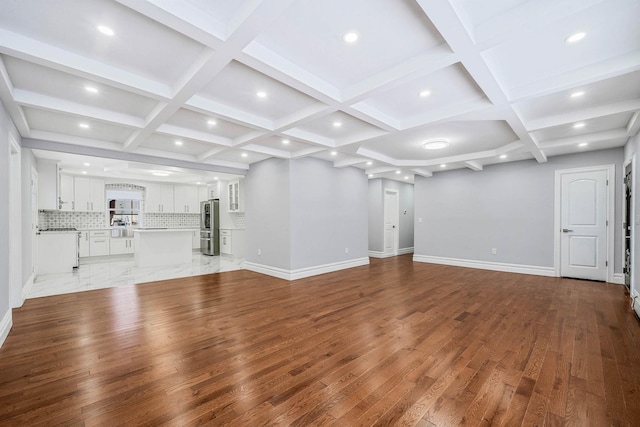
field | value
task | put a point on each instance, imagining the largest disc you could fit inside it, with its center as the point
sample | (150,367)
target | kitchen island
(162,246)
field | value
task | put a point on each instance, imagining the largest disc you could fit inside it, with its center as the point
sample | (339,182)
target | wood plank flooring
(392,343)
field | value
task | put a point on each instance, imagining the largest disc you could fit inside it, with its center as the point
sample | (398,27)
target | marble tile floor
(119,270)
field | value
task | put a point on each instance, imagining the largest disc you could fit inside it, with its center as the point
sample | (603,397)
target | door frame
(610,209)
(632,219)
(15,223)
(396,234)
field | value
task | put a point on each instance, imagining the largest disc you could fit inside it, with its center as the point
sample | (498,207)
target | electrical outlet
(259,252)
(346,250)
(494,251)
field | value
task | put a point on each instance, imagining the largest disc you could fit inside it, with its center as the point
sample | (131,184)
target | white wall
(507,206)
(28,162)
(6,127)
(377,188)
(302,215)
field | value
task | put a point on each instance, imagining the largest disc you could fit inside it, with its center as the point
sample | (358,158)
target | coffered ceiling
(222,84)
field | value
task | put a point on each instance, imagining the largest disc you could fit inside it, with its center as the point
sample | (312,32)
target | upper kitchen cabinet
(235,194)
(159,198)
(89,194)
(185,199)
(48,185)
(67,198)
(203,193)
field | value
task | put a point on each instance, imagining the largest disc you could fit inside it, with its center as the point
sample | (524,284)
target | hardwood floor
(392,343)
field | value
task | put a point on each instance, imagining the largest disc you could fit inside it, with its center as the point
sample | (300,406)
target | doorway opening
(628,224)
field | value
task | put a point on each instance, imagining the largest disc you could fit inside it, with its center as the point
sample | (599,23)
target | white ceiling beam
(448,113)
(310,113)
(446,20)
(473,165)
(348,162)
(181,132)
(633,127)
(304,135)
(365,135)
(584,114)
(210,153)
(381,169)
(59,59)
(6,95)
(48,103)
(307,152)
(270,151)
(373,116)
(422,172)
(209,107)
(588,138)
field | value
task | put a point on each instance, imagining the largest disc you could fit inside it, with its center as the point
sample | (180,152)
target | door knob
(566,230)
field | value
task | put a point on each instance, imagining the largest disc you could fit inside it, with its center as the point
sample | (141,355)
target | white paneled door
(583,241)
(391,215)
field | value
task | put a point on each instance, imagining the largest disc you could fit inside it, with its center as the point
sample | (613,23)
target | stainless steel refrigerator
(210,227)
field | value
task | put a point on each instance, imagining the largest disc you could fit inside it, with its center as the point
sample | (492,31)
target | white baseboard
(618,278)
(635,304)
(282,273)
(486,265)
(378,254)
(26,289)
(5,326)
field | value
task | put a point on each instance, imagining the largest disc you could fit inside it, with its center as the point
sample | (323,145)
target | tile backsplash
(171,220)
(81,220)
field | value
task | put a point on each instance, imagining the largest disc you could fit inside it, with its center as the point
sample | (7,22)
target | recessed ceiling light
(575,37)
(334,153)
(337,124)
(159,174)
(370,175)
(350,37)
(406,177)
(425,93)
(398,172)
(436,144)
(285,141)
(178,142)
(583,144)
(91,89)
(215,178)
(105,30)
(443,165)
(84,125)
(261,94)
(244,154)
(212,122)
(577,94)
(84,172)
(369,163)
(87,164)
(503,156)
(579,125)
(198,183)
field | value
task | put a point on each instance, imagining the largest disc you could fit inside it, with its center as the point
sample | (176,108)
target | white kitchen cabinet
(121,245)
(185,199)
(88,194)
(48,185)
(99,242)
(159,198)
(66,202)
(235,196)
(195,243)
(203,194)
(225,242)
(83,248)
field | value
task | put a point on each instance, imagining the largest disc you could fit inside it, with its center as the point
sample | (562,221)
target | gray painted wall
(506,206)
(268,214)
(376,213)
(28,160)
(328,213)
(304,213)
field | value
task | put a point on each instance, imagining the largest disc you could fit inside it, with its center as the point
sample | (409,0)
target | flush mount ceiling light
(350,37)
(261,94)
(105,30)
(424,93)
(84,125)
(579,125)
(575,37)
(178,142)
(577,94)
(91,89)
(436,144)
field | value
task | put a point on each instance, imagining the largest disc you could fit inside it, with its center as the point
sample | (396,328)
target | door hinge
(607,182)
(606,263)
(607,223)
